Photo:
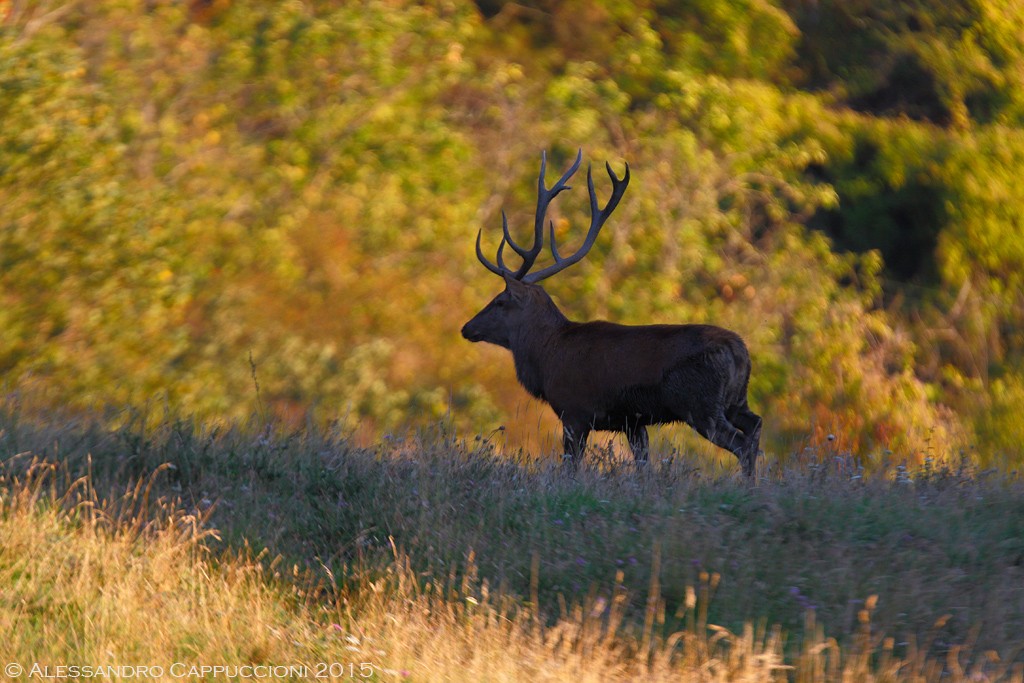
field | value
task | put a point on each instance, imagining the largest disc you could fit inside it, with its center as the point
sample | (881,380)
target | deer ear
(515,288)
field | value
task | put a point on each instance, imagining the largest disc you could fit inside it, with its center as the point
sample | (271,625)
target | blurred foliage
(224,206)
(951,62)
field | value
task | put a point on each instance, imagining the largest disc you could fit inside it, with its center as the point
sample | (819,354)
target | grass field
(433,559)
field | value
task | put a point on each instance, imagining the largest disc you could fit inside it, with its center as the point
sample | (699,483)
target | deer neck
(531,348)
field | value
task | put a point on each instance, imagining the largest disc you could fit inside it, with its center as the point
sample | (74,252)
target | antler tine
(497,270)
(618,189)
(597,220)
(500,268)
(544,197)
(506,239)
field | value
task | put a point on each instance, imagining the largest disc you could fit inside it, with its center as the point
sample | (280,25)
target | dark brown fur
(604,376)
(600,375)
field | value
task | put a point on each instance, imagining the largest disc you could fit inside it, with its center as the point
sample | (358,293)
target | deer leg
(719,431)
(752,429)
(574,441)
(749,423)
(636,435)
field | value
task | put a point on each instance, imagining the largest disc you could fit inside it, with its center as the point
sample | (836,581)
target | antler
(544,197)
(597,220)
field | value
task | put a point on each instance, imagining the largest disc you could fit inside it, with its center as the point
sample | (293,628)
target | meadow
(434,557)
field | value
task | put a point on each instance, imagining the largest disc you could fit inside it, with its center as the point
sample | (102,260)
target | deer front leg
(574,441)
(637,438)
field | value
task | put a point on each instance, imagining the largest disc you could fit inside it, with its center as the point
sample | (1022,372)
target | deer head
(525,306)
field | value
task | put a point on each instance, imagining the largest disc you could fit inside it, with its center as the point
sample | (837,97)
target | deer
(605,376)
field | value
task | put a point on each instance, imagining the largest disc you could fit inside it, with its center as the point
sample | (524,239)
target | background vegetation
(191,189)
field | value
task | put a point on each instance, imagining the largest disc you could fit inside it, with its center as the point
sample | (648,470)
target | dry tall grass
(139,579)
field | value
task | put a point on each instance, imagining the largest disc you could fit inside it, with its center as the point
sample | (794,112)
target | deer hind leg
(749,423)
(636,435)
(719,431)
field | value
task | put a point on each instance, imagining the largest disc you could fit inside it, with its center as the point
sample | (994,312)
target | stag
(604,376)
